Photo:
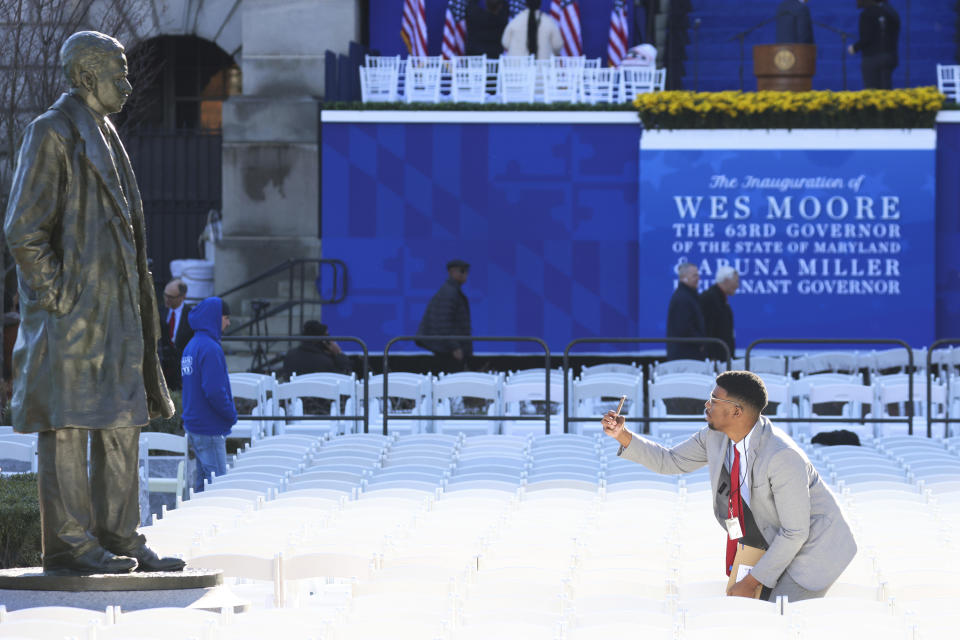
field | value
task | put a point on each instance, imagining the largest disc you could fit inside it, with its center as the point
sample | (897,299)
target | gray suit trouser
(81,511)
(794,592)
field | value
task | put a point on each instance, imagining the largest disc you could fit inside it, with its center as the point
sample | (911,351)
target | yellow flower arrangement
(898,108)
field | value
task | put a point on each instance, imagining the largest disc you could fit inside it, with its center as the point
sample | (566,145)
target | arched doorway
(171,128)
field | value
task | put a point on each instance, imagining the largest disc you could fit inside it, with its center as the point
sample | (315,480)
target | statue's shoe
(97,560)
(148,560)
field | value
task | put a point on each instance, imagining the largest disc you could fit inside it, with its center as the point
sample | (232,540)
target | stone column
(271,162)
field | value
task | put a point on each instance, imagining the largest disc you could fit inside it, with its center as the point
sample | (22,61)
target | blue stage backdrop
(546,214)
(833,234)
(948,225)
(385,16)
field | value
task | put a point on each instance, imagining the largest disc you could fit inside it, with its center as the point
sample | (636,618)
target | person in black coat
(485,27)
(879,32)
(684,317)
(448,314)
(717,314)
(175,331)
(793,22)
(315,357)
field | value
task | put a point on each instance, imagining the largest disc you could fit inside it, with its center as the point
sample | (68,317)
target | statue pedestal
(190,588)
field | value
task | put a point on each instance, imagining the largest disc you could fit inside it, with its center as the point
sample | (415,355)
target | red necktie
(173,324)
(733,506)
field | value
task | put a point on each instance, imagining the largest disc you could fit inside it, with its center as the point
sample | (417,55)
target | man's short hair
(745,387)
(87,51)
(724,273)
(684,267)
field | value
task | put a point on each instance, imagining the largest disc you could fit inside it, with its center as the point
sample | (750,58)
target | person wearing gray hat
(448,314)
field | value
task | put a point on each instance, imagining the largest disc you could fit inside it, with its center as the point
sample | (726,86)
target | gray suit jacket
(798,515)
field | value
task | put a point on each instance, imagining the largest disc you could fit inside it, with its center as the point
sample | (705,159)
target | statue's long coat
(86,352)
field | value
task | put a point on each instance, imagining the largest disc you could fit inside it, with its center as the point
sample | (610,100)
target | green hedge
(19,521)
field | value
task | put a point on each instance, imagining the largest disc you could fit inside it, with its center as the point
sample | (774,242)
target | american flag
(619,32)
(516,6)
(567,15)
(455,29)
(413,28)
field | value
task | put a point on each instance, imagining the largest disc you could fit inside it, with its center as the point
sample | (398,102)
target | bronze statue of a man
(85,362)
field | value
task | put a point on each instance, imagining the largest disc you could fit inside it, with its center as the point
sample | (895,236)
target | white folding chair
(597,393)
(169,443)
(516,78)
(448,392)
(246,567)
(415,388)
(851,396)
(689,392)
(518,394)
(422,79)
(379,84)
(19,447)
(637,80)
(948,81)
(600,85)
(294,393)
(468,79)
(563,79)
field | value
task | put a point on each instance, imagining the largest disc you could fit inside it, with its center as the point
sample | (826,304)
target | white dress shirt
(177,313)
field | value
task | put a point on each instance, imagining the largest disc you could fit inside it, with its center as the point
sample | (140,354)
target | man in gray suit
(793,23)
(776,501)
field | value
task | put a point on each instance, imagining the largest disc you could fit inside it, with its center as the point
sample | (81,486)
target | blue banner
(829,243)
(545,214)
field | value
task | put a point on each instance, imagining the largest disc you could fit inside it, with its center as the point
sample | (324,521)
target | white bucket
(197,275)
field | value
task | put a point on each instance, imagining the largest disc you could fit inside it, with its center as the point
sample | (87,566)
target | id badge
(733,528)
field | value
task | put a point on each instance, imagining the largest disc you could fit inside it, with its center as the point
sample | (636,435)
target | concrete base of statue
(190,588)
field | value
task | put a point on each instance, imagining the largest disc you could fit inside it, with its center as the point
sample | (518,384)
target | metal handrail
(288,266)
(930,419)
(366,377)
(909,417)
(386,371)
(567,419)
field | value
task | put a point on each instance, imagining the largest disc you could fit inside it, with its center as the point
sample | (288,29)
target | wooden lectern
(784,67)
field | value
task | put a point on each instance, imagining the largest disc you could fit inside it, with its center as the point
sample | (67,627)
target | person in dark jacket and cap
(208,410)
(448,314)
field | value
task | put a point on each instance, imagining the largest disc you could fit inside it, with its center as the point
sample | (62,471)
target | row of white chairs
(542,561)
(496,396)
(477,79)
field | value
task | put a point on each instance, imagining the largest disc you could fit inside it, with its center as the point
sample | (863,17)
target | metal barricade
(947,421)
(847,341)
(644,419)
(386,370)
(365,418)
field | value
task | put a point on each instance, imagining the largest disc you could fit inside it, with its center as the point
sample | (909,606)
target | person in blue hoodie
(208,409)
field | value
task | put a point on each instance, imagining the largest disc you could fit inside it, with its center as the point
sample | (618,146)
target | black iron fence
(386,376)
(908,419)
(365,377)
(567,418)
